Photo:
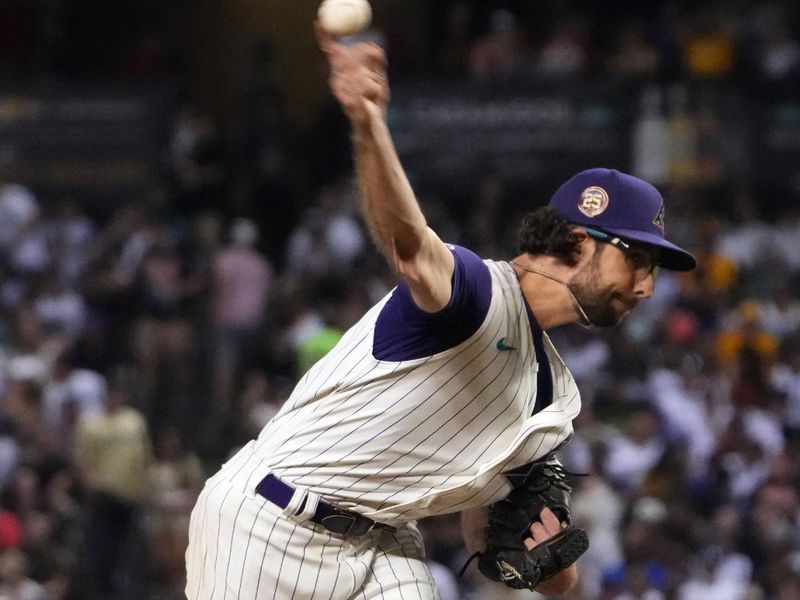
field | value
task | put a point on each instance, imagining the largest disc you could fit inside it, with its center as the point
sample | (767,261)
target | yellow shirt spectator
(114,452)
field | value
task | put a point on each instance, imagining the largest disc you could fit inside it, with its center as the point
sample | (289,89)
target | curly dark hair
(545,231)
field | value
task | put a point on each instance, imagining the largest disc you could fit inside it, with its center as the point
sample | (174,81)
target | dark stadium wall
(217,38)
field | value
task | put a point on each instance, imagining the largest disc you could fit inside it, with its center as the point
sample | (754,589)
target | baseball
(344,17)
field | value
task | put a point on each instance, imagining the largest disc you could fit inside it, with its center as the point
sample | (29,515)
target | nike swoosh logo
(501,345)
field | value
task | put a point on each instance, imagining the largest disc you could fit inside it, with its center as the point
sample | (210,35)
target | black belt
(335,520)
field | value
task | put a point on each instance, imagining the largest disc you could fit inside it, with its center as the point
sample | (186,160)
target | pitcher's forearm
(396,223)
(560,583)
(388,203)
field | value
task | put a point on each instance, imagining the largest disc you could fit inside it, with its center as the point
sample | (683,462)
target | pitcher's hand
(357,77)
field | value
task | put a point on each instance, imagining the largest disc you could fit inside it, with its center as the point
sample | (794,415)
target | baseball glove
(506,558)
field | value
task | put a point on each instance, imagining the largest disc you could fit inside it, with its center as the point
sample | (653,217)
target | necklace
(583,318)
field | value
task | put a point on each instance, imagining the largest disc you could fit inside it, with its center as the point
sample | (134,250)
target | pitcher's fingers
(339,57)
(325,39)
(373,90)
(375,57)
(539,533)
(529,544)
(550,521)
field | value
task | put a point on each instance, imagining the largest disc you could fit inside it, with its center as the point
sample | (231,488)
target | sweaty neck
(543,282)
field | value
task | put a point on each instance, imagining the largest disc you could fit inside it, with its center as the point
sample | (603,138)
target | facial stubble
(596,299)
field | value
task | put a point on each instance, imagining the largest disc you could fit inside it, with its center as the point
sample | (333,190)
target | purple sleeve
(404,331)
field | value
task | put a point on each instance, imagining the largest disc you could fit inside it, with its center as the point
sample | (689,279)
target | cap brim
(673,258)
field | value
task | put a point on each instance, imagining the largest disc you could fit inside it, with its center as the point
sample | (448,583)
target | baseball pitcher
(447,396)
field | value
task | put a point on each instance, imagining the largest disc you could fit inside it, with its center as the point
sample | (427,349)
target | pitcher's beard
(599,305)
(595,306)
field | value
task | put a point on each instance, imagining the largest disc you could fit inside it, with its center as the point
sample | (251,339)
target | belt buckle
(378,525)
(342,524)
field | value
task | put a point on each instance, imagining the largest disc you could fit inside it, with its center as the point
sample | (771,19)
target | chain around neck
(583,318)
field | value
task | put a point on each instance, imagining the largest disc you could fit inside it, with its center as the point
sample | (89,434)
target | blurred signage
(102,144)
(453,132)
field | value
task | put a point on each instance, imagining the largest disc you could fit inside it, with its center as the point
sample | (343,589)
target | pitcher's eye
(641,259)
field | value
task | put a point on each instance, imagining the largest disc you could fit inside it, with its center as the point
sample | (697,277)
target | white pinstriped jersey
(398,441)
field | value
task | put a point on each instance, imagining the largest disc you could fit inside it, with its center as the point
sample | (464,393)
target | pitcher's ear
(584,245)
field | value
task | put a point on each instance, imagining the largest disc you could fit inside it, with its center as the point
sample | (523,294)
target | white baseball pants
(242,547)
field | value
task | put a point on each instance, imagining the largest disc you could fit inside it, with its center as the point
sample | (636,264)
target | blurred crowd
(662,40)
(140,344)
(555,38)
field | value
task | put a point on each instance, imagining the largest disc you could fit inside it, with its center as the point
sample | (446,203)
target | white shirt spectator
(728,581)
(308,324)
(584,361)
(684,416)
(745,244)
(73,235)
(780,316)
(31,253)
(86,389)
(62,312)
(324,242)
(344,237)
(787,381)
(745,475)
(597,508)
(18,209)
(765,429)
(627,462)
(33,366)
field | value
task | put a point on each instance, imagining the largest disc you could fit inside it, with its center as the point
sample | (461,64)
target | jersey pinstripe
(398,441)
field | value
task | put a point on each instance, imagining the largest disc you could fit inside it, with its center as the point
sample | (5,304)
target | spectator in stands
(14,581)
(780,315)
(785,379)
(175,478)
(31,352)
(599,509)
(708,45)
(260,400)
(502,51)
(745,332)
(163,336)
(72,232)
(632,454)
(19,208)
(634,55)
(241,284)
(775,47)
(113,453)
(30,254)
(61,310)
(328,239)
(565,51)
(723,572)
(70,394)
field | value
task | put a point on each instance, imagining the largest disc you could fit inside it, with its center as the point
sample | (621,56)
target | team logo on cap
(594,201)
(659,219)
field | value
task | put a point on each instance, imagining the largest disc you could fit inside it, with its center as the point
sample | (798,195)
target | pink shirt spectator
(242,277)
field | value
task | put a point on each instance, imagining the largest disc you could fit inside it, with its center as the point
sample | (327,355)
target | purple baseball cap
(621,205)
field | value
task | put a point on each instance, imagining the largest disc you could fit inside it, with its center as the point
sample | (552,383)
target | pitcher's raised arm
(358,79)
